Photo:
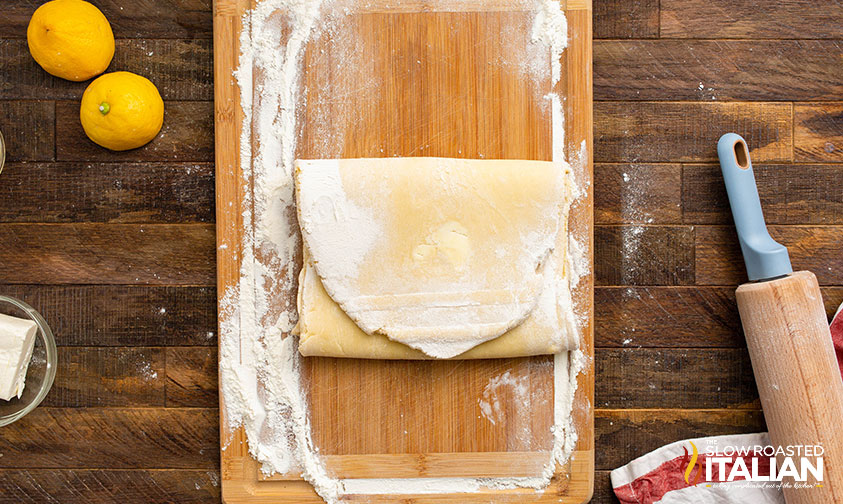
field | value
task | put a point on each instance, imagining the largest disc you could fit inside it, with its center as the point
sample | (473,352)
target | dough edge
(326,330)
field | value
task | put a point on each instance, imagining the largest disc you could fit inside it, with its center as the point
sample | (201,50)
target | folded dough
(411,258)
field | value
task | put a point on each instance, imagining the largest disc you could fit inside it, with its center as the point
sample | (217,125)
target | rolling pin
(787,334)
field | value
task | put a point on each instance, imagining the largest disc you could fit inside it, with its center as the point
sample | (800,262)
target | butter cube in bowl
(27,359)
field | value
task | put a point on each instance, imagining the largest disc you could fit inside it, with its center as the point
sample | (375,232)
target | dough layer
(409,258)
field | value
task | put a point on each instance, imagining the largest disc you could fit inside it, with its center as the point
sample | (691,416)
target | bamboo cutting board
(421,419)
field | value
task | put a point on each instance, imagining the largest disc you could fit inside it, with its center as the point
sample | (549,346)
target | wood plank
(508,464)
(121,315)
(181,69)
(149,19)
(135,377)
(637,194)
(833,299)
(108,192)
(671,132)
(187,135)
(162,254)
(704,70)
(818,132)
(687,378)
(644,255)
(778,19)
(104,486)
(638,316)
(389,124)
(112,438)
(624,434)
(421,390)
(192,377)
(790,194)
(603,493)
(696,316)
(813,248)
(28,129)
(88,377)
(615,19)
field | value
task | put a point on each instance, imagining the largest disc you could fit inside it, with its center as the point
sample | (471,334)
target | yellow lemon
(70,39)
(121,111)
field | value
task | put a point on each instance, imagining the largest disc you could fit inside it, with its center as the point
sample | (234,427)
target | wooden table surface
(117,249)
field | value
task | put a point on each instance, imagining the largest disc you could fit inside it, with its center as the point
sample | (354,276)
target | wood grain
(603,493)
(429,100)
(108,377)
(638,194)
(636,317)
(702,70)
(790,194)
(644,255)
(812,248)
(620,19)
(632,433)
(122,315)
(104,486)
(149,18)
(108,192)
(191,377)
(426,105)
(728,19)
(28,130)
(833,299)
(797,372)
(181,69)
(674,378)
(162,254)
(112,438)
(407,391)
(670,132)
(135,377)
(187,135)
(818,132)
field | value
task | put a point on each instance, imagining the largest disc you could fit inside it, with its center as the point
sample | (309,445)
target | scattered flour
(259,366)
(147,372)
(490,406)
(630,244)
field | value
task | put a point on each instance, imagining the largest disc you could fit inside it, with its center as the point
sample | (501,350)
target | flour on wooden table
(259,367)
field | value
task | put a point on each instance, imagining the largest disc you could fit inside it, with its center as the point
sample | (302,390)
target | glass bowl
(42,366)
(2,152)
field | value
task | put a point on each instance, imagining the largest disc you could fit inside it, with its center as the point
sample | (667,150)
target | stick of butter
(17,338)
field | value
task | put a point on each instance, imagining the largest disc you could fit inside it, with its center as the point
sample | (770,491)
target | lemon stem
(104,108)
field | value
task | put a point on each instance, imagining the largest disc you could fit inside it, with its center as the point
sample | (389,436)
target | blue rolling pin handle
(764,257)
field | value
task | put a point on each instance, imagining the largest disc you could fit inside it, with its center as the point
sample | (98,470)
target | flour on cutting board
(260,368)
(490,404)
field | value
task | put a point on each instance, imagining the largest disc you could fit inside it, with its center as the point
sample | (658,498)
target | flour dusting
(490,405)
(630,244)
(260,367)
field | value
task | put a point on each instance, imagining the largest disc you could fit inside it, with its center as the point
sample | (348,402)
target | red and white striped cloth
(659,476)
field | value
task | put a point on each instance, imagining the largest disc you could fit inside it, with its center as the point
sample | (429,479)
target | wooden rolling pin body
(797,374)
